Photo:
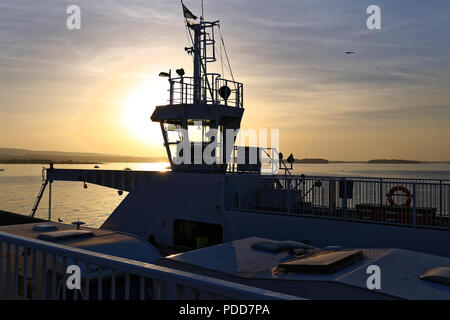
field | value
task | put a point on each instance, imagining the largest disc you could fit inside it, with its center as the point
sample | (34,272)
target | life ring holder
(406,192)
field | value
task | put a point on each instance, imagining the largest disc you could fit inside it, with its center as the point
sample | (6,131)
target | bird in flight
(349,52)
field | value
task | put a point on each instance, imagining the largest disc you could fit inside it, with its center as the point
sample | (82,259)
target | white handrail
(170,276)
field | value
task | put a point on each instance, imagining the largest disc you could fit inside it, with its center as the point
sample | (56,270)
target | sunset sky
(94,89)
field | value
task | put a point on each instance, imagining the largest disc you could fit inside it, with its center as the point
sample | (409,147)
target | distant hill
(393,161)
(8,155)
(311,161)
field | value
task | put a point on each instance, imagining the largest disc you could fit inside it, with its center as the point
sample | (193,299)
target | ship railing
(212,91)
(417,203)
(256,160)
(35,269)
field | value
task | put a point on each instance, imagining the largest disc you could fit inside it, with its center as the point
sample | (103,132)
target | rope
(221,61)
(226,54)
(221,57)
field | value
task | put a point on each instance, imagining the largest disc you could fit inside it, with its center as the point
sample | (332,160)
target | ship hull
(183,208)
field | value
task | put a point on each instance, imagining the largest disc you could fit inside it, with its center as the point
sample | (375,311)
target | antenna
(202,11)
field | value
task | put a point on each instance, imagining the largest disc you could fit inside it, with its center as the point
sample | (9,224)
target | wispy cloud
(289,54)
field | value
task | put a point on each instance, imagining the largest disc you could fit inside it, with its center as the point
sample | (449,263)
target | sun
(139,105)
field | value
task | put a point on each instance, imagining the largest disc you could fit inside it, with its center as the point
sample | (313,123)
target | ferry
(201,203)
(229,229)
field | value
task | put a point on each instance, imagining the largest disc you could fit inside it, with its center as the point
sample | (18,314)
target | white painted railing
(422,203)
(35,269)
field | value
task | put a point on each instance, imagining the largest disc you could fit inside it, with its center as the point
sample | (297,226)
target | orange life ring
(406,193)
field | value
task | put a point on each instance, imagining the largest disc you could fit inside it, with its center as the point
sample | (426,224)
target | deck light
(180,72)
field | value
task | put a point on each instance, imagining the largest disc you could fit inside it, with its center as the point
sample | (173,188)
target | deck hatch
(323,262)
(44,227)
(271,246)
(439,275)
(65,235)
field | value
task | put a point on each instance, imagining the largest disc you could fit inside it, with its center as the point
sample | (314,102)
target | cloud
(289,56)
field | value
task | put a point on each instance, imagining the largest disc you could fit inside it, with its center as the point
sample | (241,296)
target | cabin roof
(400,269)
(98,240)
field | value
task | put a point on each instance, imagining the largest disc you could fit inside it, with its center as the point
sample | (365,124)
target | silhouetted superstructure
(199,106)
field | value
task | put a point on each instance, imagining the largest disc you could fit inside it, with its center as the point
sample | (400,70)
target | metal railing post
(8,269)
(44,276)
(99,283)
(113,285)
(182,91)
(86,281)
(302,197)
(64,279)
(441,193)
(448,205)
(127,286)
(381,192)
(50,201)
(414,205)
(1,272)
(288,190)
(25,273)
(16,273)
(344,199)
(141,288)
(33,276)
(171,92)
(239,194)
(53,288)
(331,197)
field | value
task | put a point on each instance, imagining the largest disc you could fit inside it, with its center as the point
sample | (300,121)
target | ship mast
(199,105)
(203,50)
(197,62)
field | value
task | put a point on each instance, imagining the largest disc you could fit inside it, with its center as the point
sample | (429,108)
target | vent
(323,262)
(65,235)
(333,248)
(297,245)
(278,246)
(271,246)
(44,227)
(439,275)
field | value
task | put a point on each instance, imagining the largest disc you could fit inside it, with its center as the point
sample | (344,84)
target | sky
(94,89)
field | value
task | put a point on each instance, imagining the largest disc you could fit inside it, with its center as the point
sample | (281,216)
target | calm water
(20,184)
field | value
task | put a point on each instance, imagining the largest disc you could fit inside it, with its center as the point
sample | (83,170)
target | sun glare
(139,105)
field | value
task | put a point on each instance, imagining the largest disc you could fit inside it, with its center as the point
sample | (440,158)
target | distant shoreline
(393,161)
(39,161)
(23,156)
(297,161)
(375,161)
